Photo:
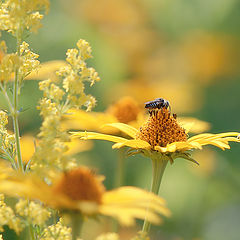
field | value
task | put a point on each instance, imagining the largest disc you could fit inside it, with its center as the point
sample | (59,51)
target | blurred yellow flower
(125,110)
(184,94)
(81,190)
(163,134)
(28,142)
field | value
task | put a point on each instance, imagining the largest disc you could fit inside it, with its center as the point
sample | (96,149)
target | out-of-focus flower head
(125,110)
(208,56)
(81,190)
(184,96)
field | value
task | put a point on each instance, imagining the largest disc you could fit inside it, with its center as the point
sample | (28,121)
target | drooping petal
(127,129)
(128,203)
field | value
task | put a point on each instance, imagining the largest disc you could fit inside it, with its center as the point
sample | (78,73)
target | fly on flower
(158,103)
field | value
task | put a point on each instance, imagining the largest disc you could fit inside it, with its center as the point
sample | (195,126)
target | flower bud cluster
(34,212)
(18,16)
(7,140)
(59,95)
(57,232)
(8,217)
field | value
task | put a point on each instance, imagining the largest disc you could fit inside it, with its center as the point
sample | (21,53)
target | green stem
(120,168)
(31,232)
(15,110)
(6,97)
(76,224)
(159,164)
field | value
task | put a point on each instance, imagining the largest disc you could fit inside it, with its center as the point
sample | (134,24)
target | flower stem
(15,109)
(158,165)
(31,232)
(120,168)
(76,224)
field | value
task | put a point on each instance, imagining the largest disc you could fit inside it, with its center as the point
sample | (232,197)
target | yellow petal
(193,125)
(127,129)
(82,120)
(27,144)
(76,146)
(46,70)
(127,203)
(133,144)
(210,136)
(98,136)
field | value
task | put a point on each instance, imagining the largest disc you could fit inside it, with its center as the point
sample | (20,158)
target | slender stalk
(15,110)
(76,224)
(158,165)
(6,97)
(119,180)
(120,168)
(31,232)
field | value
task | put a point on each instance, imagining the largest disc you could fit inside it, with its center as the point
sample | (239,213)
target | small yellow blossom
(8,217)
(7,143)
(28,59)
(57,232)
(26,62)
(81,190)
(34,212)
(17,16)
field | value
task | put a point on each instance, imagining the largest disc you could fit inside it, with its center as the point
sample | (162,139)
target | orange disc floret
(125,110)
(161,129)
(80,184)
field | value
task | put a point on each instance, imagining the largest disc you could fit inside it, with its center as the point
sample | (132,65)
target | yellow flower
(125,110)
(81,190)
(162,134)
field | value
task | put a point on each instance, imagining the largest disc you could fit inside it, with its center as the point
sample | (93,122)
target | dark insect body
(158,103)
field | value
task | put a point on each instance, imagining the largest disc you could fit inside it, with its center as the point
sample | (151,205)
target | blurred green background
(185,51)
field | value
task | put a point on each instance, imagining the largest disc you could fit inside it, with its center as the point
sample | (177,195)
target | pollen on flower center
(80,184)
(125,110)
(161,129)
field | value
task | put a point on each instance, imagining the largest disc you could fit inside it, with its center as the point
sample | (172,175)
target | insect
(158,103)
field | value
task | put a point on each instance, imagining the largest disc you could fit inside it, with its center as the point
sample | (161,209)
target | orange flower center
(125,110)
(80,184)
(161,129)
